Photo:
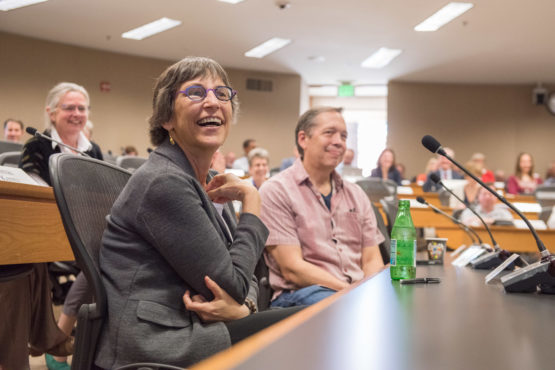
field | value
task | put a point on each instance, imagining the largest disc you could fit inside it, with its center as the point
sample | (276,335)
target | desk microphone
(471,233)
(527,279)
(491,259)
(33,131)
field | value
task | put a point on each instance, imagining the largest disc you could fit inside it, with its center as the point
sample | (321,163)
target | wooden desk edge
(12,189)
(238,353)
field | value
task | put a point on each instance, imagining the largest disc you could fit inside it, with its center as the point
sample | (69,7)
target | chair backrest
(85,190)
(130,162)
(10,146)
(545,195)
(385,246)
(390,208)
(378,189)
(10,159)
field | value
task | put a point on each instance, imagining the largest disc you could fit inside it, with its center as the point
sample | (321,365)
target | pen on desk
(420,281)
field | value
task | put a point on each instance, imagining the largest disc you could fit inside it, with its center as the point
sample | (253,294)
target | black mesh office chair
(377,189)
(390,208)
(130,162)
(385,246)
(85,190)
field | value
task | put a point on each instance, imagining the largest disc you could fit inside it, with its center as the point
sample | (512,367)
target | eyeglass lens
(223,93)
(71,108)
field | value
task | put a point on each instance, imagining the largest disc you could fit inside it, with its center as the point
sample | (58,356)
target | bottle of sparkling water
(403,244)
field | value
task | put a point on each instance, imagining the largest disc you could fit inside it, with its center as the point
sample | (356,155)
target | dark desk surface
(461,323)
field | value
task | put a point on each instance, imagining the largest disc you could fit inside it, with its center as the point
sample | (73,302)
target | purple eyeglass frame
(233,92)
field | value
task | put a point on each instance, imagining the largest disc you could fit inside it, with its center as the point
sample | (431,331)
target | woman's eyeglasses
(72,107)
(197,93)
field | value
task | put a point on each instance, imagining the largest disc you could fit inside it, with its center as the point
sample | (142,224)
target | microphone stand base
(491,260)
(528,279)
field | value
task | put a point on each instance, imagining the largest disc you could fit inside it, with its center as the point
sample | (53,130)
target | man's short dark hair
(14,120)
(247,142)
(306,123)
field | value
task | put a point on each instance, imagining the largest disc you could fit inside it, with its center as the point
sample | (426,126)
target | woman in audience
(258,166)
(178,271)
(469,191)
(66,113)
(386,167)
(431,166)
(524,181)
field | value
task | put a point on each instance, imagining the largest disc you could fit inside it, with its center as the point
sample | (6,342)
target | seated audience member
(67,111)
(524,181)
(347,162)
(242,163)
(445,171)
(469,191)
(480,161)
(550,175)
(131,151)
(431,166)
(387,168)
(323,232)
(401,168)
(13,130)
(178,271)
(258,166)
(229,159)
(488,209)
(288,162)
(500,176)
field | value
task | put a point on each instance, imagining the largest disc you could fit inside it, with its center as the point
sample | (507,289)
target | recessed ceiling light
(267,47)
(6,5)
(443,16)
(231,1)
(381,58)
(152,28)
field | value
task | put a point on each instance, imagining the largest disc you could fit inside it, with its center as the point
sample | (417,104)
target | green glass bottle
(403,244)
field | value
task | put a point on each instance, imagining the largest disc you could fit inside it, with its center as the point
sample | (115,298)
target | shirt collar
(300,175)
(83,144)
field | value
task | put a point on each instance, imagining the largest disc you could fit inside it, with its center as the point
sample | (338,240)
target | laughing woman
(178,272)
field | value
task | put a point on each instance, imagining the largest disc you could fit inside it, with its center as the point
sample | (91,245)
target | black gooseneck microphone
(33,131)
(471,233)
(491,259)
(527,279)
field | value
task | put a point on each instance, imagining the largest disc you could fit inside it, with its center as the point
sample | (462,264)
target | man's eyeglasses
(72,107)
(197,93)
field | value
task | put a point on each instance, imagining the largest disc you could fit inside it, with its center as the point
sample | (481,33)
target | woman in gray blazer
(177,268)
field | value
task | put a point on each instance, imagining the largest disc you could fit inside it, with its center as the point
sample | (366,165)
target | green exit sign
(346,90)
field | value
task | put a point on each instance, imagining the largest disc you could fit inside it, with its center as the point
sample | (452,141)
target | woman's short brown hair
(168,84)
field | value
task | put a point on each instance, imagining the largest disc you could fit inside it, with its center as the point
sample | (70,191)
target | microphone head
(31,130)
(435,178)
(421,200)
(431,143)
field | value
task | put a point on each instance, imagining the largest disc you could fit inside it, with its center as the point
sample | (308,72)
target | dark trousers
(26,318)
(247,326)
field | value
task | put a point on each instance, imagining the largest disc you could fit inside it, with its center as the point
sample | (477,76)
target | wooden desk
(31,229)
(458,324)
(509,238)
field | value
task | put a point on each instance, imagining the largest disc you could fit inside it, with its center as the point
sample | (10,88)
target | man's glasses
(72,107)
(197,93)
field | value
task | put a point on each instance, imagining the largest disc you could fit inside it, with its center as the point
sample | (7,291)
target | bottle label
(403,252)
(393,258)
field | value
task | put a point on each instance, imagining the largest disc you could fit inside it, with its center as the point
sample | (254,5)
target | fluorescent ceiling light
(381,58)
(371,90)
(152,28)
(327,90)
(443,16)
(231,1)
(6,5)
(267,47)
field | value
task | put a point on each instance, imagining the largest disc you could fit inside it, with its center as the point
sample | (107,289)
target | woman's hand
(226,187)
(221,308)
